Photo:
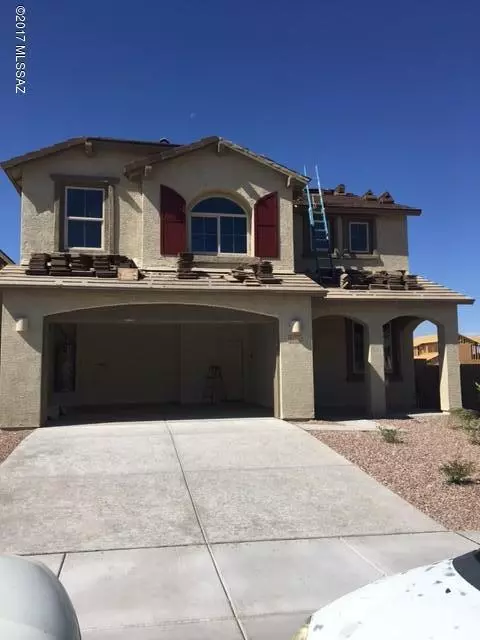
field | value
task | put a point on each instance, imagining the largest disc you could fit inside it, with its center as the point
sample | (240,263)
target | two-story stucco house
(102,312)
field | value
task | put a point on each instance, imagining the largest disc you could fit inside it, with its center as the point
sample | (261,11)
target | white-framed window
(218,225)
(359,237)
(84,217)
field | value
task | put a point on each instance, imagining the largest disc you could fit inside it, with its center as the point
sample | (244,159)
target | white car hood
(429,603)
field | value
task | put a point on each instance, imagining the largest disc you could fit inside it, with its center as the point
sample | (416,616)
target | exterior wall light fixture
(21,325)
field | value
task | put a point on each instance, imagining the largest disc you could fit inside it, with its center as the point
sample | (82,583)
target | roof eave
(6,258)
(338,208)
(70,143)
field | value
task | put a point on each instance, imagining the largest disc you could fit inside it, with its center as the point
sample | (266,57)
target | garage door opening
(159,362)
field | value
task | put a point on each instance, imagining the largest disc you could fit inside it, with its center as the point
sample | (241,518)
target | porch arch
(424,385)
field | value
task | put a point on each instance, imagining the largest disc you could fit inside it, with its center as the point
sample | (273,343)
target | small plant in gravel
(473,431)
(390,434)
(463,417)
(458,471)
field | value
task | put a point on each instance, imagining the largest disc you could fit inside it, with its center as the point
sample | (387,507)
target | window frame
(372,239)
(357,374)
(218,216)
(67,218)
(366,224)
(353,373)
(107,183)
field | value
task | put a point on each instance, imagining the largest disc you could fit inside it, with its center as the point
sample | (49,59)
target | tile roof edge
(69,143)
(207,141)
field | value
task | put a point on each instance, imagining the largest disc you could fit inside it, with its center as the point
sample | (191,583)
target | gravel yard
(9,440)
(411,468)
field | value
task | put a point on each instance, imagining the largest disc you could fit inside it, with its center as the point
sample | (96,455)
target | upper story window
(84,217)
(359,237)
(218,225)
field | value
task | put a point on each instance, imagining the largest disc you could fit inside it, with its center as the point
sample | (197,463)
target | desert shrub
(458,471)
(473,431)
(463,417)
(390,434)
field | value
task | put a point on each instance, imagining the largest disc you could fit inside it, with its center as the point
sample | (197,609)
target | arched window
(218,225)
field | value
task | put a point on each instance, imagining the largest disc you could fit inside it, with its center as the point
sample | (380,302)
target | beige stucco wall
(333,391)
(137,220)
(261,359)
(22,403)
(205,172)
(125,363)
(37,207)
(212,345)
(391,244)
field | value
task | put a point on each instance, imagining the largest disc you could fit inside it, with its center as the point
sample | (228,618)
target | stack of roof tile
(411,283)
(240,274)
(103,267)
(359,279)
(185,264)
(38,264)
(378,280)
(123,262)
(264,272)
(81,265)
(396,280)
(60,264)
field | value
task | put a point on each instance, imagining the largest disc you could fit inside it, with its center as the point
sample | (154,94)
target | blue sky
(381,95)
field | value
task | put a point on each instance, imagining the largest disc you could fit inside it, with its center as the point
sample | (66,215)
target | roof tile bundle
(264,272)
(103,267)
(81,265)
(185,263)
(38,264)
(60,264)
(362,279)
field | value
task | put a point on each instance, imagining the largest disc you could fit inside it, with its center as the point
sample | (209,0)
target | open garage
(159,360)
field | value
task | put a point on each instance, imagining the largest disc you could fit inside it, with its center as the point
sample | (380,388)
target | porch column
(450,384)
(21,368)
(407,366)
(295,362)
(376,370)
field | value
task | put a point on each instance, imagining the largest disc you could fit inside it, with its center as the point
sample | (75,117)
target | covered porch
(363,356)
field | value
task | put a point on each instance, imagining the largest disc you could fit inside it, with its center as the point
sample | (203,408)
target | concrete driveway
(234,528)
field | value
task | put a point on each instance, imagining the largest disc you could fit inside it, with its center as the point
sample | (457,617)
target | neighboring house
(82,328)
(427,358)
(4,259)
(426,348)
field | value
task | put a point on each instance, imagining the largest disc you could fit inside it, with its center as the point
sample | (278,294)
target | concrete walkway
(234,528)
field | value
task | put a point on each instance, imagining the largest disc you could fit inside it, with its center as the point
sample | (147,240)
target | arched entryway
(159,359)
(413,380)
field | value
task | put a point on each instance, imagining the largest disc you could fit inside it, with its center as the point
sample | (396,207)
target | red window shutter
(266,226)
(173,222)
